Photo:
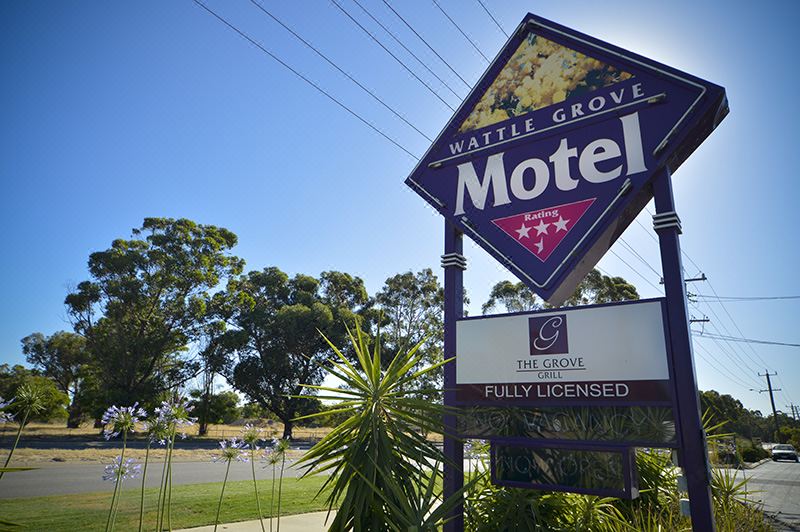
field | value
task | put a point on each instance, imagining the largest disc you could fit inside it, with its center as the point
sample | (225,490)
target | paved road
(778,487)
(57,479)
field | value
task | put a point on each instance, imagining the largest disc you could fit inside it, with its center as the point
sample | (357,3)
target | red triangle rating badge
(540,232)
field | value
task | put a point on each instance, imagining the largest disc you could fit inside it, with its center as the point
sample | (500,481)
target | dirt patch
(32,457)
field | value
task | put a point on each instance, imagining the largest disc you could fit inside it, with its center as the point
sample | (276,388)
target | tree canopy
(63,358)
(595,288)
(146,302)
(273,339)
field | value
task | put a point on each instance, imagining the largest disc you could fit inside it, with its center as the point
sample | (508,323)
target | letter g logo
(548,335)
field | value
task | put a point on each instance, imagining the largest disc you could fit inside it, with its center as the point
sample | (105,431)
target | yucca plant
(376,456)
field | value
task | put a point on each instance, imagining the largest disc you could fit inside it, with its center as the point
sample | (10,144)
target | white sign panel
(609,354)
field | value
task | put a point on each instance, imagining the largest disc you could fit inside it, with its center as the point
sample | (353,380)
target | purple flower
(130,468)
(251,435)
(157,430)
(233,449)
(175,414)
(119,419)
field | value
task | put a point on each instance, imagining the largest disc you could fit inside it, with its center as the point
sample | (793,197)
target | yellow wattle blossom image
(540,73)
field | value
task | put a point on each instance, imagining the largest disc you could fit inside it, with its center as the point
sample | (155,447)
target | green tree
(62,357)
(273,342)
(515,297)
(598,288)
(146,304)
(595,288)
(410,308)
(52,401)
(221,408)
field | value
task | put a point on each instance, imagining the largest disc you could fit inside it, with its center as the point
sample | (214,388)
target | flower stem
(272,499)
(144,477)
(255,487)
(110,520)
(161,490)
(169,487)
(280,488)
(16,441)
(219,505)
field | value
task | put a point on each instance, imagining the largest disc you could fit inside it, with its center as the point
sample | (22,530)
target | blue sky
(114,111)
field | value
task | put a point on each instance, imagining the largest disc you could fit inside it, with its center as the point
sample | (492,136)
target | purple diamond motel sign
(551,155)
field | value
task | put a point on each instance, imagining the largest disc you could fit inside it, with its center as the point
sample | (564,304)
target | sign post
(454,264)
(693,451)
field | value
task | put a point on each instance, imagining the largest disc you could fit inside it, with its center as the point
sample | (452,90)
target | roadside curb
(754,465)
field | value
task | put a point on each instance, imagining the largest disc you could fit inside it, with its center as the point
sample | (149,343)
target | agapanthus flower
(176,414)
(157,430)
(251,435)
(5,417)
(233,449)
(119,419)
(130,468)
(276,451)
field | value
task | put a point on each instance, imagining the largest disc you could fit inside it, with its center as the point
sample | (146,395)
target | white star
(540,245)
(523,231)
(561,224)
(541,228)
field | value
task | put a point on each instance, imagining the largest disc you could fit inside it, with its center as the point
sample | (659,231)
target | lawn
(192,505)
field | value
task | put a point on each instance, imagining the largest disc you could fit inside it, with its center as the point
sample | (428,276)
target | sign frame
(582,250)
(573,402)
(628,455)
(672,403)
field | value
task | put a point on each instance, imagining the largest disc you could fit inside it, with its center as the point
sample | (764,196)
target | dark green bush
(754,454)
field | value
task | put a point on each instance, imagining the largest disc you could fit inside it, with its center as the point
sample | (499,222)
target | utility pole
(769,389)
(792,408)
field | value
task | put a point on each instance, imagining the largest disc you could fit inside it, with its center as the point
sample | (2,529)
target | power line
(736,326)
(728,374)
(493,19)
(334,65)
(733,347)
(733,355)
(641,259)
(659,290)
(421,38)
(730,317)
(304,78)
(407,49)
(785,392)
(454,23)
(385,49)
(728,299)
(749,340)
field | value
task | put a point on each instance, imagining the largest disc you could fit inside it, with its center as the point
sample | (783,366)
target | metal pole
(693,453)
(772,401)
(454,264)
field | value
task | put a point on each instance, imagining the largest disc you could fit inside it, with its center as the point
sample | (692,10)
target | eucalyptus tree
(595,288)
(63,358)
(146,304)
(272,340)
(515,297)
(409,309)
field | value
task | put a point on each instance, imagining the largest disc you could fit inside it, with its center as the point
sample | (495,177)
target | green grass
(192,505)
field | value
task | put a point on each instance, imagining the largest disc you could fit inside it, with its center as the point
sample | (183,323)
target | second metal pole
(693,453)
(454,263)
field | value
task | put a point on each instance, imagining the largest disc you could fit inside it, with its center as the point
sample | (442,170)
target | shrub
(754,454)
